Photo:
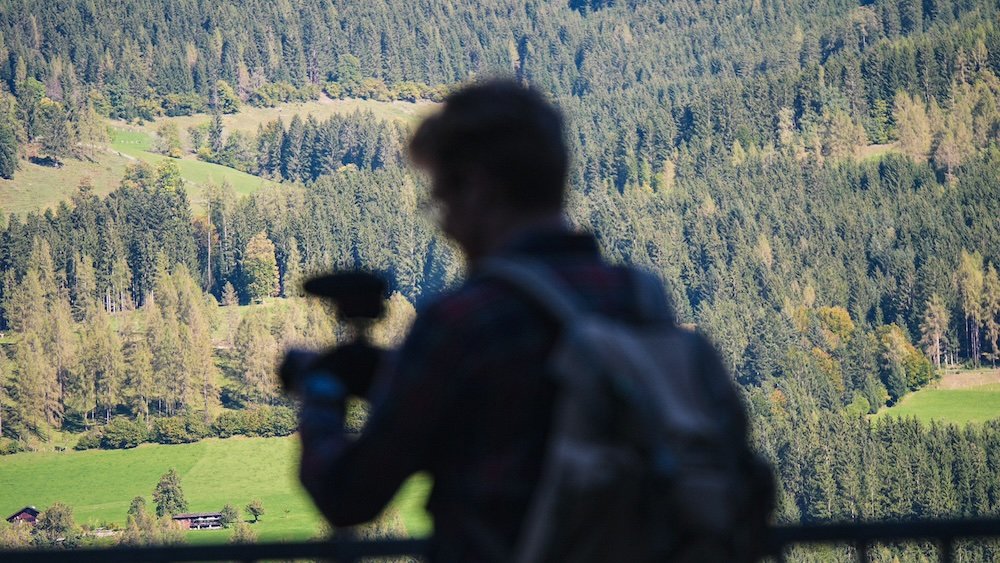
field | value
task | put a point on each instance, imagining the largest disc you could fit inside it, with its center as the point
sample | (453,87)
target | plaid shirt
(467,400)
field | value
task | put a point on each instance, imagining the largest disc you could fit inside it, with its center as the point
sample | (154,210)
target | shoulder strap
(539,284)
(651,299)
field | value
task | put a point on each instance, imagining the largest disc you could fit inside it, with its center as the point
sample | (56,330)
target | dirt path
(964,379)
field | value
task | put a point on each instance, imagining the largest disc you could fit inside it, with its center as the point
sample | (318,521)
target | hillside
(99,485)
(37,187)
(815,180)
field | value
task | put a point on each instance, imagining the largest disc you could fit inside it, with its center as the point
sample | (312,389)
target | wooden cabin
(200,520)
(27,514)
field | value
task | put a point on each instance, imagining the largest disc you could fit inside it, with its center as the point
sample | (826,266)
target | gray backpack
(648,457)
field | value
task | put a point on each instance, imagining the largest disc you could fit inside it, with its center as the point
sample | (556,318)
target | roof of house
(197,515)
(27,509)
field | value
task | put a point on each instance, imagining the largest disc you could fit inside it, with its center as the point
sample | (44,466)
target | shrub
(171,430)
(260,421)
(89,441)
(229,423)
(10,446)
(282,421)
(196,427)
(122,433)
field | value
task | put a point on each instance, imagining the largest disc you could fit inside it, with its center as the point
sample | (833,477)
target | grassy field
(135,145)
(961,397)
(35,187)
(99,485)
(250,117)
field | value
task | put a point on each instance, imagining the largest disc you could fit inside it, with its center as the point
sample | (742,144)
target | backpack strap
(650,298)
(537,282)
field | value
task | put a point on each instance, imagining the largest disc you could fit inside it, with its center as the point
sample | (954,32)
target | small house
(27,514)
(200,520)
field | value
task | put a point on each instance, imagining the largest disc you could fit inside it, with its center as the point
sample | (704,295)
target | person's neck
(519,226)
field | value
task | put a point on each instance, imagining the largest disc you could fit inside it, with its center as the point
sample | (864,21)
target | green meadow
(36,187)
(99,485)
(962,397)
(136,144)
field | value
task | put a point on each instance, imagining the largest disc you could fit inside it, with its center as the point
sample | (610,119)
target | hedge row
(123,432)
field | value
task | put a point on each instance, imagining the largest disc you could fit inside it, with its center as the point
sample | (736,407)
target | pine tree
(53,133)
(62,345)
(226,99)
(140,383)
(991,312)
(85,302)
(257,350)
(934,329)
(7,404)
(8,150)
(215,141)
(913,127)
(291,281)
(260,268)
(969,279)
(104,363)
(291,151)
(229,297)
(34,380)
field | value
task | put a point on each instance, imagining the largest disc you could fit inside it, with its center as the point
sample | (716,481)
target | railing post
(945,550)
(861,550)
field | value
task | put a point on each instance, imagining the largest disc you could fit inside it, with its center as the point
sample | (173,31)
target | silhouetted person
(468,398)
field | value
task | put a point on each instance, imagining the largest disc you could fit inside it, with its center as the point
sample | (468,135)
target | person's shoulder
(470,303)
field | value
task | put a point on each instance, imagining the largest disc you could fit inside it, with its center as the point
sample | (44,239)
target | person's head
(497,159)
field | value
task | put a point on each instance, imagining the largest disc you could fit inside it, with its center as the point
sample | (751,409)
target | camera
(358,298)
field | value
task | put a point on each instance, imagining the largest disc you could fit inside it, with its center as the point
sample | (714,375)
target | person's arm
(352,480)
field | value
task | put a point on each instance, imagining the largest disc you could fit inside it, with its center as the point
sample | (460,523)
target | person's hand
(354,364)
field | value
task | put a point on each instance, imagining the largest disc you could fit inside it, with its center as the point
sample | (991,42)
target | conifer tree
(215,139)
(226,99)
(7,404)
(140,382)
(260,268)
(104,363)
(8,150)
(913,127)
(969,279)
(934,329)
(257,350)
(291,281)
(229,297)
(34,391)
(85,303)
(991,312)
(62,344)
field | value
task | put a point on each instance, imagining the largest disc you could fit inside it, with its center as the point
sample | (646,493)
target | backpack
(648,458)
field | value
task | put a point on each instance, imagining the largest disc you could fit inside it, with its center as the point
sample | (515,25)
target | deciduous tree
(168,495)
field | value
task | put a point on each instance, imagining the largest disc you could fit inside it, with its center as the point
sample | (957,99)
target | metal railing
(862,536)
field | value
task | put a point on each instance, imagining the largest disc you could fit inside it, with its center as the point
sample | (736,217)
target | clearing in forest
(960,397)
(36,187)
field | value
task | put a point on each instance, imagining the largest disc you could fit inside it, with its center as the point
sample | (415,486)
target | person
(467,397)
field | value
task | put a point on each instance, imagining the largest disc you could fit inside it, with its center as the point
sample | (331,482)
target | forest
(816,180)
